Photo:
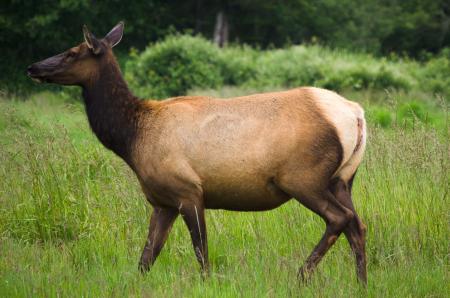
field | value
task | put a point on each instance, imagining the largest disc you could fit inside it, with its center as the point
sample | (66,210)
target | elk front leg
(194,217)
(160,224)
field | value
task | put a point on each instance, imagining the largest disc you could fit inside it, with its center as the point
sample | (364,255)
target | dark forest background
(32,30)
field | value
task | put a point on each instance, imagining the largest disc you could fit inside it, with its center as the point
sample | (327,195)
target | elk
(249,153)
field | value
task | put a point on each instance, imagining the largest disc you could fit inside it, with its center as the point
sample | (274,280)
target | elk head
(79,64)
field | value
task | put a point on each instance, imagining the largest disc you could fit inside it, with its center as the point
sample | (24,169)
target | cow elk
(249,153)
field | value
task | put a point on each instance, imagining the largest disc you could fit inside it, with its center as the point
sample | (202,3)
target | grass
(73,220)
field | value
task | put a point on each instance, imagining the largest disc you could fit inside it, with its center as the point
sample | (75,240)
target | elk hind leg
(336,217)
(355,231)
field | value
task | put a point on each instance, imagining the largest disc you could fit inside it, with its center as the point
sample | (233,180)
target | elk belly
(248,195)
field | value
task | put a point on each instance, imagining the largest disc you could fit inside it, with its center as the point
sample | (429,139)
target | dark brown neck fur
(113,111)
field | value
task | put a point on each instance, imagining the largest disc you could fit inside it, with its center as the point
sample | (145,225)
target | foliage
(238,64)
(174,66)
(435,75)
(411,112)
(414,27)
(402,26)
(31,31)
(381,116)
(179,63)
(336,70)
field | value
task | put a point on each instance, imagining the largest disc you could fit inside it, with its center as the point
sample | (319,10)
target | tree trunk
(221,29)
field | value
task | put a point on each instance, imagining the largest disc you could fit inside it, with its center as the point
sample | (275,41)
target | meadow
(73,219)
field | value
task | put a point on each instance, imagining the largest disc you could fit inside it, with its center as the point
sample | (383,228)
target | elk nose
(30,69)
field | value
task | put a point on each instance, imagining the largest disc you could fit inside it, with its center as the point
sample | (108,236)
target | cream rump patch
(344,115)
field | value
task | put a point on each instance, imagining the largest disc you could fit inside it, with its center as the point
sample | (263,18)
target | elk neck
(114,113)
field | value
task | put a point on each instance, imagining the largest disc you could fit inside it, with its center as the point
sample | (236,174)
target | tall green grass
(73,221)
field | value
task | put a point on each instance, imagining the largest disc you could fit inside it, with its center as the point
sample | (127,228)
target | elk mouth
(37,79)
(36,75)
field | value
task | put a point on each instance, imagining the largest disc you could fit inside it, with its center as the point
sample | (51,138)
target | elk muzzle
(46,70)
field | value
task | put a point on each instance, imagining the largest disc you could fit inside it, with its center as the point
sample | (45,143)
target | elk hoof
(304,276)
(143,268)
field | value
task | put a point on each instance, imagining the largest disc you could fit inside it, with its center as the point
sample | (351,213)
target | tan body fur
(234,153)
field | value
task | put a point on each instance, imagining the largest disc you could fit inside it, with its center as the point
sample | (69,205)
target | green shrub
(412,112)
(385,78)
(291,67)
(173,66)
(182,62)
(238,65)
(316,66)
(435,76)
(361,77)
(381,117)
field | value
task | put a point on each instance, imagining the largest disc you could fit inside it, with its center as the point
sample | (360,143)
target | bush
(332,69)
(381,117)
(182,62)
(361,77)
(291,67)
(412,112)
(173,66)
(435,76)
(238,64)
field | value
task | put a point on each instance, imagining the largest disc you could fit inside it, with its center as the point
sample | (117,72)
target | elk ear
(115,35)
(92,42)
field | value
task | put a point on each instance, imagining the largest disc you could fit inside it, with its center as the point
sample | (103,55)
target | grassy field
(73,219)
